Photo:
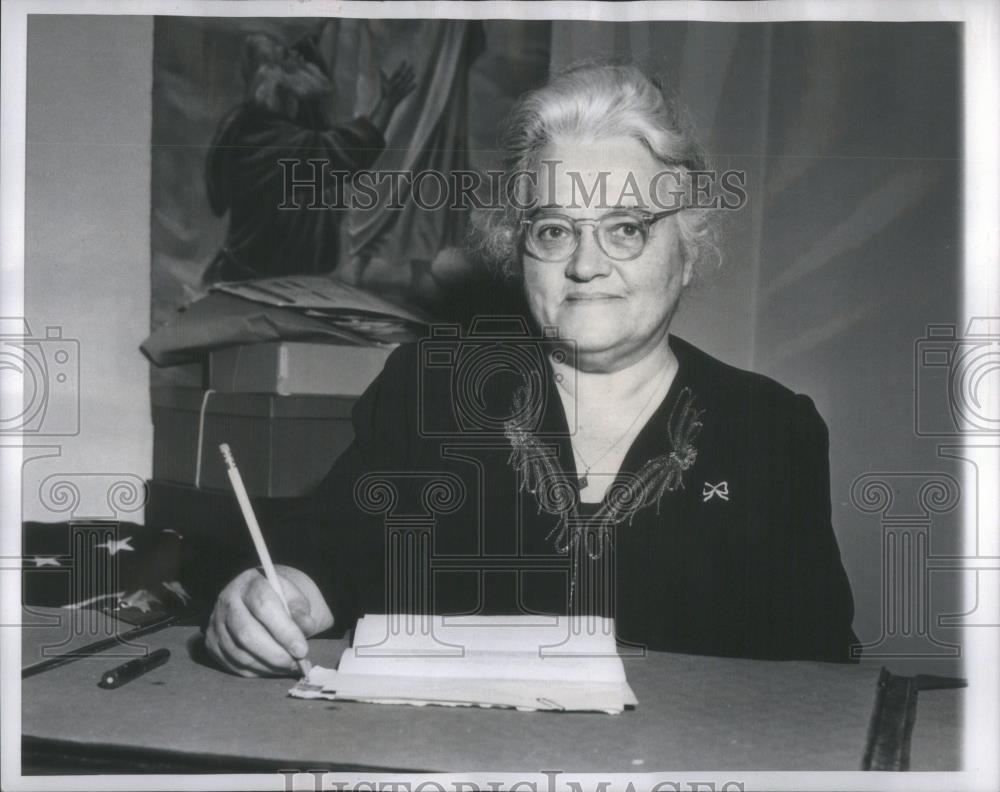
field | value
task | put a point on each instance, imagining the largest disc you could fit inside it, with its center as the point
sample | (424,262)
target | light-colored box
(296,368)
(284,445)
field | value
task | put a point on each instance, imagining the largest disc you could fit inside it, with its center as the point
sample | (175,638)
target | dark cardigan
(737,558)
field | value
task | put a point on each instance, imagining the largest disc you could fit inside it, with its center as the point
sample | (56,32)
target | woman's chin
(590,336)
(586,343)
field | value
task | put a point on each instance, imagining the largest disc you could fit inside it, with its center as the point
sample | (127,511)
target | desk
(694,713)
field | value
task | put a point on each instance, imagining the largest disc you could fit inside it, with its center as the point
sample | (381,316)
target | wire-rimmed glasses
(621,233)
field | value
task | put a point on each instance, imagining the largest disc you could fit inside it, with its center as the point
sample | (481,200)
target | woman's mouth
(591,297)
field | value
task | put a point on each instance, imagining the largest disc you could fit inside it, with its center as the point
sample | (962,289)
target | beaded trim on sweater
(540,474)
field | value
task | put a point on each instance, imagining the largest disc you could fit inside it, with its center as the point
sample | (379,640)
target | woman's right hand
(251,634)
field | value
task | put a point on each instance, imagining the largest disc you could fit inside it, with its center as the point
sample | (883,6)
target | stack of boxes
(285,410)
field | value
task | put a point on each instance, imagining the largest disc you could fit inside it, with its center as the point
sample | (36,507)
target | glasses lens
(622,235)
(551,238)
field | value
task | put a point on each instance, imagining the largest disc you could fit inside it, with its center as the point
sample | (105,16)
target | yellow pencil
(258,538)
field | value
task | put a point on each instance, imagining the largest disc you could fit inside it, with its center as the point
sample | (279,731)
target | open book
(525,662)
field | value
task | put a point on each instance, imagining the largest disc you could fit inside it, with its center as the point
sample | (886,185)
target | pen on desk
(258,538)
(133,669)
(96,647)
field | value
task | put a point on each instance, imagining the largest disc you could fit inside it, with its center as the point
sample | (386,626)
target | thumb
(299,610)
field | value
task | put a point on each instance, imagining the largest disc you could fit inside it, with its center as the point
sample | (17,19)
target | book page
(521,662)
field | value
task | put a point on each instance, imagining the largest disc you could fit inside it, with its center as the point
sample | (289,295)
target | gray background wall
(848,249)
(87,245)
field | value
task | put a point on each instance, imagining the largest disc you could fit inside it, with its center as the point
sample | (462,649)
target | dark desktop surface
(694,712)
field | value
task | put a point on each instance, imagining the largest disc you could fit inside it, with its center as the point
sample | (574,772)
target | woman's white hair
(594,102)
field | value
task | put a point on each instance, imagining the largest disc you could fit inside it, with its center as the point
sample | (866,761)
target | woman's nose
(588,260)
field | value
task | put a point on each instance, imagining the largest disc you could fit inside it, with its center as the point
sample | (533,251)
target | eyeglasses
(622,234)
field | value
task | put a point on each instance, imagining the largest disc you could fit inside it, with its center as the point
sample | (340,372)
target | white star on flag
(143,599)
(43,561)
(175,588)
(117,544)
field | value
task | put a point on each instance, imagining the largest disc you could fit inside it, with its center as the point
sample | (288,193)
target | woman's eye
(626,230)
(551,233)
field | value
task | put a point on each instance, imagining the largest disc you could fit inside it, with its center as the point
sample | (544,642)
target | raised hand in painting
(393,89)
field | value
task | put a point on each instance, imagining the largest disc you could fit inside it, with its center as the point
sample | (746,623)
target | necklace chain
(583,480)
(540,474)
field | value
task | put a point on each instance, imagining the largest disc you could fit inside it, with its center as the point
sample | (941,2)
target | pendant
(583,481)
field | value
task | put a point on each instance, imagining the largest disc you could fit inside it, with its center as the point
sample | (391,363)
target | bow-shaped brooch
(720,490)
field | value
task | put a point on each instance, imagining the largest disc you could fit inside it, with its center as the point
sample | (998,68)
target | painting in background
(458,64)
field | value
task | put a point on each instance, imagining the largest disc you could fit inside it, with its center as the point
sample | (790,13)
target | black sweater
(736,558)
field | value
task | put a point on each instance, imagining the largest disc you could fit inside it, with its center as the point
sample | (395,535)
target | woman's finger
(221,647)
(242,662)
(300,613)
(252,637)
(212,645)
(265,606)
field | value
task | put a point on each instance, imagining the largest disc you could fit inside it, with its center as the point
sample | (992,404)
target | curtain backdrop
(392,246)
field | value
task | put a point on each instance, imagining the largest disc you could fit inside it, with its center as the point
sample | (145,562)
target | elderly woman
(601,465)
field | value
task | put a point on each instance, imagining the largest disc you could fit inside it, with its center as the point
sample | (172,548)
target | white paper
(568,664)
(317,293)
